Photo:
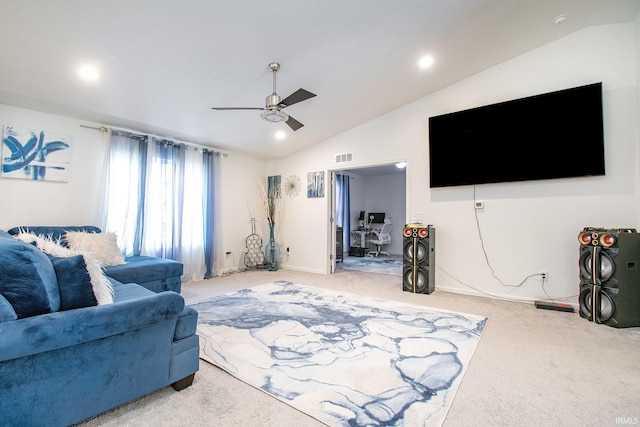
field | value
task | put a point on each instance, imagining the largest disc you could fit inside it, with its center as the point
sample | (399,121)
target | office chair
(383,238)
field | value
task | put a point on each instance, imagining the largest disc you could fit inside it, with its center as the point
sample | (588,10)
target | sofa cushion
(102,246)
(126,292)
(27,279)
(142,269)
(74,282)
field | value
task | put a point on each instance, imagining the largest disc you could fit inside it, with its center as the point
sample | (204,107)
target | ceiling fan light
(273,115)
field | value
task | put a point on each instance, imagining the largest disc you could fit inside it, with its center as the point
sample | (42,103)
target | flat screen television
(376,217)
(553,135)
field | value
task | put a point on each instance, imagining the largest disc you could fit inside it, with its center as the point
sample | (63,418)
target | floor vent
(342,158)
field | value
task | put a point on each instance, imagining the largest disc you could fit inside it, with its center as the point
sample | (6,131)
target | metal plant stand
(254,256)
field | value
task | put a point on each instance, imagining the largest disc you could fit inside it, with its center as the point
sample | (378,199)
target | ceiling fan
(272,112)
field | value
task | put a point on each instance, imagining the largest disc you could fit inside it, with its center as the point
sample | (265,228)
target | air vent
(342,158)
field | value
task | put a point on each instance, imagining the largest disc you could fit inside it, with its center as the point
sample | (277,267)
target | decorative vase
(272,251)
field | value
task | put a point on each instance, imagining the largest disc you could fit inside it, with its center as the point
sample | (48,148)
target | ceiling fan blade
(297,96)
(293,123)
(236,108)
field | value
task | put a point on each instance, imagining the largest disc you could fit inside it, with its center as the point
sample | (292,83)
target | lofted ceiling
(163,64)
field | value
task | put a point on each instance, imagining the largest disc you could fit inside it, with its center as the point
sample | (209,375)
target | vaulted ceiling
(161,65)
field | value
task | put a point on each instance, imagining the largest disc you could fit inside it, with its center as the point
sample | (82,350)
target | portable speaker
(418,259)
(609,262)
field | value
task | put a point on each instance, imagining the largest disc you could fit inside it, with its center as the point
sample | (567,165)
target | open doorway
(363,200)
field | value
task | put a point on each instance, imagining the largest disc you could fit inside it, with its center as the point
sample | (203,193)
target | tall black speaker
(418,259)
(610,276)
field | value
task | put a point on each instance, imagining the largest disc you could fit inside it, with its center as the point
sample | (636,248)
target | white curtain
(161,202)
(174,222)
(126,175)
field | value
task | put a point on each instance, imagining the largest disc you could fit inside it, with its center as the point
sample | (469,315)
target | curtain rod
(102,128)
(196,146)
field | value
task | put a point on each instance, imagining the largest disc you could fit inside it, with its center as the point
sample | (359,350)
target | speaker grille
(609,290)
(418,259)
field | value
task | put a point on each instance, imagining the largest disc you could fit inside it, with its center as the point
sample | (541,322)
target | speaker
(418,259)
(610,276)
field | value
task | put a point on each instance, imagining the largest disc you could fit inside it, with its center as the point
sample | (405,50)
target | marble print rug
(342,358)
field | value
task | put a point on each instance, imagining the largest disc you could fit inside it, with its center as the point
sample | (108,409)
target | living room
(526,228)
(519,221)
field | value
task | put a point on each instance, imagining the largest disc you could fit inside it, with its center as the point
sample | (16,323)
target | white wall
(241,200)
(386,193)
(77,202)
(637,64)
(526,227)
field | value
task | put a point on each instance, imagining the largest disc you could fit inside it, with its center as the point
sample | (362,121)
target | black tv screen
(553,135)
(376,217)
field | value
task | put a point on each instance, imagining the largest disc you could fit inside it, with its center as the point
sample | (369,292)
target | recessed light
(401,165)
(560,19)
(88,72)
(280,134)
(426,62)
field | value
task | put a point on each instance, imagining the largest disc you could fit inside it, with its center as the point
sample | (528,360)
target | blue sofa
(60,365)
(155,274)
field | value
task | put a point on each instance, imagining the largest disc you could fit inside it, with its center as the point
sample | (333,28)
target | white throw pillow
(102,246)
(102,289)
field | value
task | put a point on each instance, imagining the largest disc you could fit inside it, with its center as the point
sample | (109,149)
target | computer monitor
(376,217)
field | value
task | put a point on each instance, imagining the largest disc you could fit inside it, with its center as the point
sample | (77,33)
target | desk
(362,235)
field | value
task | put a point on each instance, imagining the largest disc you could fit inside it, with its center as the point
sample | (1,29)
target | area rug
(381,264)
(342,358)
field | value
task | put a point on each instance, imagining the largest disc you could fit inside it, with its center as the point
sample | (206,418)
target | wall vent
(342,158)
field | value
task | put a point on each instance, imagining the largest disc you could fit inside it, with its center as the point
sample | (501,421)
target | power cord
(495,296)
(543,276)
(486,257)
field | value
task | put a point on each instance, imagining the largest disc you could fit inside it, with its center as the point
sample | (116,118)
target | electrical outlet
(479,204)
(287,248)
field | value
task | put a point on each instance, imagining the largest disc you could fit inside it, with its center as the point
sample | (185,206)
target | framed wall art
(315,184)
(273,186)
(37,155)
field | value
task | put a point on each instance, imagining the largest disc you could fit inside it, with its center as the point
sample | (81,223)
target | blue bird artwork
(35,155)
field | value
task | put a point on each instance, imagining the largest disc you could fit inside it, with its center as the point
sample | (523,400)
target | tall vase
(272,251)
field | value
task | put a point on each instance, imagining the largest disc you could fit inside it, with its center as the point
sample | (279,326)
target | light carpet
(341,358)
(380,265)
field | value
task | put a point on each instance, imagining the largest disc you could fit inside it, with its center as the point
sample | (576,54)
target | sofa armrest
(46,332)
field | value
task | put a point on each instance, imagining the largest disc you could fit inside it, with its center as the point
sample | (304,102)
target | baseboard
(302,269)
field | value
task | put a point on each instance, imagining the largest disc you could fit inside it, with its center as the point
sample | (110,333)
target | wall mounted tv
(553,135)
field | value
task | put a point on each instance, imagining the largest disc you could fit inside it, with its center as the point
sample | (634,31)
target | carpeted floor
(342,358)
(531,368)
